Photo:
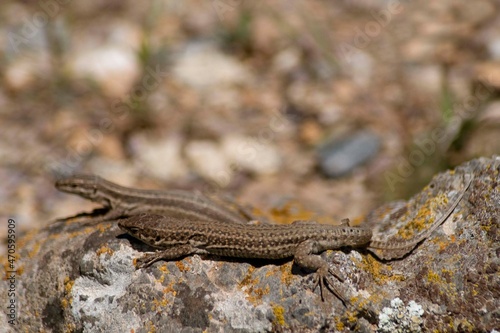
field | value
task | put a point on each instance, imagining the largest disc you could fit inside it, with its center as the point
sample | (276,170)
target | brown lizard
(120,201)
(302,240)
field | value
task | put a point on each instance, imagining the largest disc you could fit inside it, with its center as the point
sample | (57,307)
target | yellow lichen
(339,325)
(64,303)
(380,272)
(162,303)
(424,218)
(433,277)
(351,316)
(448,288)
(68,285)
(279,314)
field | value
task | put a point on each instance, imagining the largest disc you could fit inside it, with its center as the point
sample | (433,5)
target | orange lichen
(104,250)
(180,265)
(254,294)
(164,269)
(292,211)
(170,289)
(248,278)
(286,273)
(34,250)
(161,278)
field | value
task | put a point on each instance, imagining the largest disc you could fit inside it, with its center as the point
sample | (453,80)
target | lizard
(302,240)
(120,201)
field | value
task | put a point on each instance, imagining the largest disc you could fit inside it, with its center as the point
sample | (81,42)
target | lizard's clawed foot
(146,260)
(322,278)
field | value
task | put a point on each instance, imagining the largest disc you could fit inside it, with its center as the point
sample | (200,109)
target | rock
(160,157)
(202,66)
(114,68)
(483,137)
(251,154)
(494,48)
(218,161)
(338,158)
(82,278)
(209,160)
(426,78)
(488,73)
(286,60)
(23,73)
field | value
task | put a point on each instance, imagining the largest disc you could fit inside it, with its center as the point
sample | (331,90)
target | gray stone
(339,157)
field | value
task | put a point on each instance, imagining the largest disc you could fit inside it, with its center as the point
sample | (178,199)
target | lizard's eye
(134,230)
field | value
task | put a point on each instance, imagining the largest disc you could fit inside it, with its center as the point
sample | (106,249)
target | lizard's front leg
(174,252)
(304,257)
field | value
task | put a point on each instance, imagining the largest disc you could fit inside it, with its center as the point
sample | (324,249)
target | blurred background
(298,108)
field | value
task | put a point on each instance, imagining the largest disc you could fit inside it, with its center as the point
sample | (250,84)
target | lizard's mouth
(127,228)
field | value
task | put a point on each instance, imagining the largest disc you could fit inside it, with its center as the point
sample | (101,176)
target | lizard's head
(83,185)
(143,227)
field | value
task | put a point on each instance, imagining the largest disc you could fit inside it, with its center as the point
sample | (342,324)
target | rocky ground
(81,278)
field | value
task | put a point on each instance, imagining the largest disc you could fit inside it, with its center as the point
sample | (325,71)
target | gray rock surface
(77,278)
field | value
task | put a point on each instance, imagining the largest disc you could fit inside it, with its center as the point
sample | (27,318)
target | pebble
(114,68)
(287,60)
(202,65)
(117,171)
(488,72)
(339,157)
(159,157)
(25,71)
(426,78)
(494,48)
(257,156)
(209,161)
